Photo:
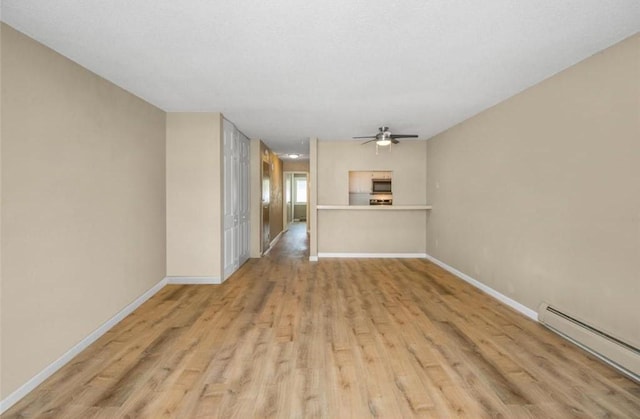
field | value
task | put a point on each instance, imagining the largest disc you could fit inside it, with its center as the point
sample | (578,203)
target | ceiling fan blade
(403,136)
(369,136)
(374,139)
(394,141)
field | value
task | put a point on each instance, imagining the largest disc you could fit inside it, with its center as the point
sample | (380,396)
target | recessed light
(294,156)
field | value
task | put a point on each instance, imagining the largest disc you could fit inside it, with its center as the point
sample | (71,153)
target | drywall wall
(255,201)
(1,345)
(374,232)
(539,196)
(406,161)
(312,220)
(300,212)
(295,165)
(83,213)
(194,194)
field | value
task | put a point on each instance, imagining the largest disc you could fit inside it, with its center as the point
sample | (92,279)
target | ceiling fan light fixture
(384,142)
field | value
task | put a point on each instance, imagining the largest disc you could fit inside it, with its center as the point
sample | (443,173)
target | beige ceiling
(286,70)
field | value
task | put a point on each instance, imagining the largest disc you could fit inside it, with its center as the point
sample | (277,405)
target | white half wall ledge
(373,255)
(193,280)
(533,315)
(49,370)
(313,258)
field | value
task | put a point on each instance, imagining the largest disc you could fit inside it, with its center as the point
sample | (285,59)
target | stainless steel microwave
(381,186)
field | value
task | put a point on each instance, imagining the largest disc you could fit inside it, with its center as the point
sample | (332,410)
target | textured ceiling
(285,71)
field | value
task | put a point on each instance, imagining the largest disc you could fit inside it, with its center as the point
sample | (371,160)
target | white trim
(49,370)
(533,315)
(313,258)
(375,207)
(274,241)
(372,255)
(193,280)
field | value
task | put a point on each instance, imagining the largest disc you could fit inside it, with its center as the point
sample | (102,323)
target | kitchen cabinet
(360,181)
(360,185)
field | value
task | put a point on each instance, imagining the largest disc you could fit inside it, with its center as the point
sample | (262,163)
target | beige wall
(83,213)
(406,161)
(300,212)
(194,194)
(348,231)
(255,202)
(2,392)
(539,197)
(312,220)
(295,165)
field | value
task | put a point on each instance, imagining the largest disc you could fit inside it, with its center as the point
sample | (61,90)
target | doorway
(295,197)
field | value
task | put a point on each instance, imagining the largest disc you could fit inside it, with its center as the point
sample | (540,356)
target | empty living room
(319,209)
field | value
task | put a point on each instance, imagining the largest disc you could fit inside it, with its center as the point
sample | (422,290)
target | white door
(230,199)
(244,232)
(236,196)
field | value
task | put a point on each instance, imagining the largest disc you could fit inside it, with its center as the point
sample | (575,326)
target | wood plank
(284,337)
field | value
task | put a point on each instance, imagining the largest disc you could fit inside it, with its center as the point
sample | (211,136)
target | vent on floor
(617,352)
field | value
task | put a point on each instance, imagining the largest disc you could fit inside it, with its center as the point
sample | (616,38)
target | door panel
(236,196)
(244,233)
(230,204)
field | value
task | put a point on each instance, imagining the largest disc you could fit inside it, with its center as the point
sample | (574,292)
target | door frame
(285,224)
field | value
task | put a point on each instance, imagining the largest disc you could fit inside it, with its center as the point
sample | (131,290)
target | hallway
(284,337)
(294,244)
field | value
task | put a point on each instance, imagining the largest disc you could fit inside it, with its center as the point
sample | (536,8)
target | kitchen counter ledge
(374,207)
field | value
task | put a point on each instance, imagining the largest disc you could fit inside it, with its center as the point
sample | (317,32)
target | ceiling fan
(384,137)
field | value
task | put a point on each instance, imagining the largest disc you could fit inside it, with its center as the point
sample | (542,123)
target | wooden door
(266,197)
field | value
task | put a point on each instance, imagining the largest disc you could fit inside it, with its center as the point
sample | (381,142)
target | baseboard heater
(616,352)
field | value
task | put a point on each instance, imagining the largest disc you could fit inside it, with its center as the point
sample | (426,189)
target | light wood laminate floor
(339,338)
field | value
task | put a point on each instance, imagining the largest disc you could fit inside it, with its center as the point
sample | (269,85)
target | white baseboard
(274,241)
(193,280)
(533,315)
(372,255)
(36,380)
(313,258)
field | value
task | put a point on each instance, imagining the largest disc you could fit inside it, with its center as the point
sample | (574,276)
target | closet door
(244,230)
(231,183)
(236,197)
